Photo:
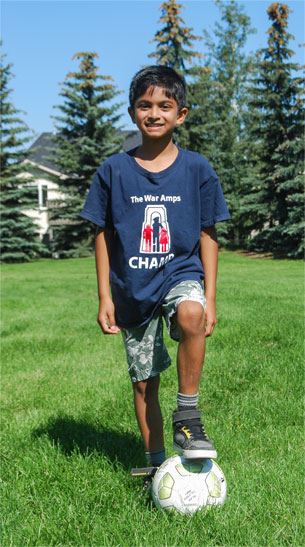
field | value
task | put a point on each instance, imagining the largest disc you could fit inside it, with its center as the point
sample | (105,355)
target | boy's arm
(105,317)
(209,258)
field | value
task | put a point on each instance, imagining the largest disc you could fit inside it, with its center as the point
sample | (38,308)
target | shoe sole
(195,454)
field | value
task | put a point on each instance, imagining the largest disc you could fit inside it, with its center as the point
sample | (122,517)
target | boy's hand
(106,317)
(210,316)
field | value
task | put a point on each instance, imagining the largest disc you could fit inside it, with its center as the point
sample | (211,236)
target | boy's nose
(154,114)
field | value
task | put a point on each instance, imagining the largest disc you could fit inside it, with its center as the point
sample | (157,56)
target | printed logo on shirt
(155,236)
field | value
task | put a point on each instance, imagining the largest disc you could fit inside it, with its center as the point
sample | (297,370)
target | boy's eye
(145,106)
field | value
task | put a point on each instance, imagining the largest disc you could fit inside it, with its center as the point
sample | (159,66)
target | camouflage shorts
(147,355)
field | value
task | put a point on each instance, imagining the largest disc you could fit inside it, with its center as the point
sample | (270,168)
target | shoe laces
(194,429)
(147,484)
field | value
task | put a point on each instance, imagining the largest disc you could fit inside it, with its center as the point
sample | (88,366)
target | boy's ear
(181,115)
(131,114)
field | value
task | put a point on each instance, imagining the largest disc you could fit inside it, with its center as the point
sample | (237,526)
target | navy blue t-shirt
(157,219)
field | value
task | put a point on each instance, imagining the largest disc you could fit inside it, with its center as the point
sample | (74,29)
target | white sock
(187,401)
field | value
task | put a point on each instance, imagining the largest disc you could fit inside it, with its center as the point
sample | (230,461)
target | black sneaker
(190,439)
(148,474)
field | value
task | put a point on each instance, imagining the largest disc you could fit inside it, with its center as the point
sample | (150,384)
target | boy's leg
(148,413)
(190,356)
(190,439)
(185,315)
(147,357)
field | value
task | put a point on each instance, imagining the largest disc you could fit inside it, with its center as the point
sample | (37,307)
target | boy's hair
(158,76)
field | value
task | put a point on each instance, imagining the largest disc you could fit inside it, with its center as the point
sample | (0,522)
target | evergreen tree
(275,204)
(87,133)
(175,49)
(201,124)
(174,40)
(229,141)
(19,238)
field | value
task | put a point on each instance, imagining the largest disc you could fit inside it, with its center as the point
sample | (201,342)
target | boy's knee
(147,388)
(190,317)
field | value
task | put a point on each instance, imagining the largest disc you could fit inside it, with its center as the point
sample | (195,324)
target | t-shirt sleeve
(97,207)
(213,204)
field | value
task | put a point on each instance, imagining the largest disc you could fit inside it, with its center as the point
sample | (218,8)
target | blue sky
(41,36)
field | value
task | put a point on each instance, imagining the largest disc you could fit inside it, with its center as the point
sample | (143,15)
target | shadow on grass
(81,437)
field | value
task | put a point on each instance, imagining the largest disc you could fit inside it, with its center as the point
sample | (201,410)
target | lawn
(69,435)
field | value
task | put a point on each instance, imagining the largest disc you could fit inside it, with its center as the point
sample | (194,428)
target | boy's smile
(155,114)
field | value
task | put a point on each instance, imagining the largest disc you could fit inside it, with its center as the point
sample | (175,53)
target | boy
(155,208)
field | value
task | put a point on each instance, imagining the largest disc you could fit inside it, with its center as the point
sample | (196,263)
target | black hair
(158,76)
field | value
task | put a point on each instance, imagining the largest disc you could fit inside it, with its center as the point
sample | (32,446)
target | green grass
(69,432)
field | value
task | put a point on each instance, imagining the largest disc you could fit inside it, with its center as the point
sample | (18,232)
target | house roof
(41,151)
(132,140)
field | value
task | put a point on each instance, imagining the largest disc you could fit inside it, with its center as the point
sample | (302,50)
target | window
(44,195)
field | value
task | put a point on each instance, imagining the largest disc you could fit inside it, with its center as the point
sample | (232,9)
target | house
(45,173)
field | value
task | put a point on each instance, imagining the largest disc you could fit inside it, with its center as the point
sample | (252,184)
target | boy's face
(155,114)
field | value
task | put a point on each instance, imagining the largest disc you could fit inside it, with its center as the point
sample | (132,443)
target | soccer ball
(188,485)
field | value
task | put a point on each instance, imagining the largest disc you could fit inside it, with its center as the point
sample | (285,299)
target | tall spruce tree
(229,140)
(19,237)
(174,39)
(201,124)
(86,134)
(175,48)
(275,202)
